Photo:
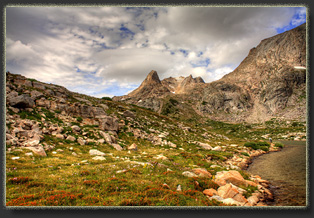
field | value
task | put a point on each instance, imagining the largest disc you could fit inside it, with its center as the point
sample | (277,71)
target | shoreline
(272,185)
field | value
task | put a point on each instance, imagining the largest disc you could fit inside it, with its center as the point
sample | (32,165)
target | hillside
(269,83)
(69,149)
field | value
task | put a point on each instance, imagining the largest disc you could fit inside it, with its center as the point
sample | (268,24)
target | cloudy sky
(108,51)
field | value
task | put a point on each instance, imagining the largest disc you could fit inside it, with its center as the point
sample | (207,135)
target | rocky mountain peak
(152,77)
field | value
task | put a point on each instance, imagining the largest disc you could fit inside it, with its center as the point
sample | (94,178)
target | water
(286,171)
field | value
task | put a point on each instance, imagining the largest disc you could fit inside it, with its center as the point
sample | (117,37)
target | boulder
(60,136)
(108,138)
(231,201)
(210,192)
(108,123)
(205,146)
(39,85)
(98,112)
(23,81)
(117,147)
(227,191)
(128,113)
(253,200)
(95,152)
(202,172)
(99,158)
(231,176)
(172,145)
(71,138)
(76,128)
(133,147)
(81,141)
(21,101)
(36,94)
(39,150)
(217,148)
(189,174)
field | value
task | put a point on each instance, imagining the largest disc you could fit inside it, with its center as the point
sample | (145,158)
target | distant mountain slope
(269,82)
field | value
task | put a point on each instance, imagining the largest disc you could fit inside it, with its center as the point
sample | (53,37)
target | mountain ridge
(269,82)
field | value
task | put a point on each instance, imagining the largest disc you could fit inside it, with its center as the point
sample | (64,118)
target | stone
(36,94)
(202,172)
(95,152)
(251,183)
(160,156)
(60,136)
(217,148)
(216,197)
(220,182)
(33,142)
(210,192)
(101,141)
(227,191)
(39,85)
(231,201)
(76,128)
(21,101)
(133,147)
(71,138)
(179,189)
(104,106)
(29,154)
(205,146)
(128,113)
(15,158)
(108,138)
(172,145)
(108,123)
(99,158)
(231,176)
(117,147)
(240,198)
(74,154)
(81,141)
(39,150)
(253,200)
(189,174)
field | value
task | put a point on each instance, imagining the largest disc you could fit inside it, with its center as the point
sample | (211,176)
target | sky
(108,51)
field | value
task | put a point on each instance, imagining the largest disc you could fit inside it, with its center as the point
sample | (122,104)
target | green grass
(63,179)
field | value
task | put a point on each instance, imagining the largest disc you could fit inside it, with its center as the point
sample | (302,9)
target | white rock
(15,158)
(179,188)
(95,152)
(161,156)
(217,148)
(99,158)
(231,201)
(189,174)
(29,154)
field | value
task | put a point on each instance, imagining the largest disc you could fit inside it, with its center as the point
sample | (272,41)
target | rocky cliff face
(269,82)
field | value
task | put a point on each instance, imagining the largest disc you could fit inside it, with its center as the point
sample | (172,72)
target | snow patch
(300,67)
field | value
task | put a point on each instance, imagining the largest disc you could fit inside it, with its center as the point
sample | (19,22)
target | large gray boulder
(107,123)
(21,101)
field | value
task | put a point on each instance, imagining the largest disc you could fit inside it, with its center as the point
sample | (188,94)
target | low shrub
(258,145)
(279,145)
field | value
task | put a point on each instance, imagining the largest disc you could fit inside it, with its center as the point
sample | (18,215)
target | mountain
(152,90)
(270,82)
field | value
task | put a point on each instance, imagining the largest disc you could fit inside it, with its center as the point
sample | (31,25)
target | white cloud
(99,50)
